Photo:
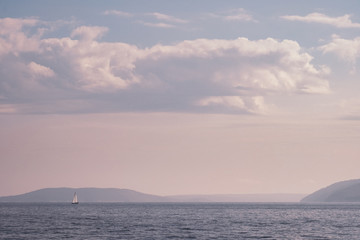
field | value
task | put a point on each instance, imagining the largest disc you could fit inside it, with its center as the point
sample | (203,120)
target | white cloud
(346,49)
(7,108)
(254,104)
(349,109)
(11,25)
(157,25)
(340,22)
(93,65)
(164,21)
(117,13)
(40,70)
(239,15)
(267,65)
(198,75)
(12,37)
(167,18)
(89,33)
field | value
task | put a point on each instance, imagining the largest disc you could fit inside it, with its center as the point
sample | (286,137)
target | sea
(179,221)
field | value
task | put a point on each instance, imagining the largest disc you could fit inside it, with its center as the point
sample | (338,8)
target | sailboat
(75,200)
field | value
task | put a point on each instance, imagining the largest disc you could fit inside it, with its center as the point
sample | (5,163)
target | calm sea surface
(179,221)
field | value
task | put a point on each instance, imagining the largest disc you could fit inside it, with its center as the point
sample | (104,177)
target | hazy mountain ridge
(126,195)
(280,197)
(344,191)
(84,195)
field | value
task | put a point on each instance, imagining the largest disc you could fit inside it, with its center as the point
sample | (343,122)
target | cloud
(346,49)
(238,14)
(14,25)
(92,65)
(89,33)
(7,108)
(235,103)
(167,18)
(166,21)
(163,20)
(349,109)
(40,71)
(157,25)
(339,22)
(13,38)
(202,75)
(117,13)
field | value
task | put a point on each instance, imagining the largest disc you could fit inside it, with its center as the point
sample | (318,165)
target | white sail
(75,200)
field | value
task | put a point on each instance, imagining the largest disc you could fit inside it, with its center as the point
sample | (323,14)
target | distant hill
(345,191)
(126,195)
(84,195)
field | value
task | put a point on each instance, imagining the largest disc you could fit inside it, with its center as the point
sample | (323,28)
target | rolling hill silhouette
(345,191)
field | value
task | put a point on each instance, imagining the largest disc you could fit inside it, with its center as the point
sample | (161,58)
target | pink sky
(164,153)
(179,97)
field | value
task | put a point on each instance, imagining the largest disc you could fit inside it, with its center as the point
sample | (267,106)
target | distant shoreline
(115,195)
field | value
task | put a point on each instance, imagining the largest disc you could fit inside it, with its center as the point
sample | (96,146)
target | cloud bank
(80,73)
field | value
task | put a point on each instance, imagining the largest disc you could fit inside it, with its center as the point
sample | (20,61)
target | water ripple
(178,221)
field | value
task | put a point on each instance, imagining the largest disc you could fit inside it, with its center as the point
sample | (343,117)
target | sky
(179,97)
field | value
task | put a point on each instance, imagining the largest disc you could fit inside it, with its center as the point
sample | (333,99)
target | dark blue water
(178,221)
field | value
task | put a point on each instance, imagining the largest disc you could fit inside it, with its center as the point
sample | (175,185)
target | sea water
(179,221)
